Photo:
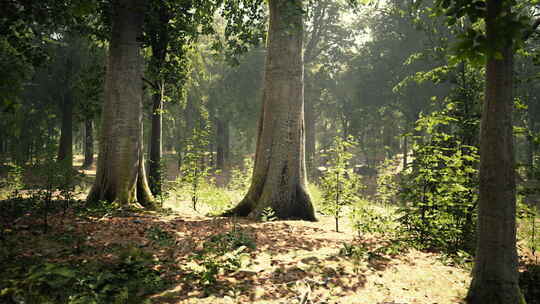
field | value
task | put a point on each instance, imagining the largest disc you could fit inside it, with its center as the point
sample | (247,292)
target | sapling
(339,183)
(194,169)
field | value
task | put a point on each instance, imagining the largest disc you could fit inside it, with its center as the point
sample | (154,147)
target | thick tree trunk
(279,176)
(154,169)
(159,39)
(65,148)
(120,174)
(495,275)
(88,144)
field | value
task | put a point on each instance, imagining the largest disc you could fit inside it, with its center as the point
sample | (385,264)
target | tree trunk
(310,136)
(120,174)
(154,169)
(226,147)
(220,140)
(405,151)
(65,148)
(159,40)
(88,144)
(279,176)
(495,275)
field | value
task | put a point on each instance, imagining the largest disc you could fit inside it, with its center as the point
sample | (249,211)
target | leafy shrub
(194,169)
(368,219)
(528,226)
(221,253)
(439,192)
(127,281)
(387,182)
(268,215)
(339,183)
(241,176)
(12,184)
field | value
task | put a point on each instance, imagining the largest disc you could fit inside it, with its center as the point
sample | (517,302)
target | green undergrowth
(221,254)
(129,279)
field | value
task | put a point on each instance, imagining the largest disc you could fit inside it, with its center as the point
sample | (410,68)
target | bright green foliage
(268,215)
(221,253)
(194,168)
(387,182)
(374,220)
(241,176)
(339,183)
(12,184)
(440,191)
(125,282)
(60,185)
(529,230)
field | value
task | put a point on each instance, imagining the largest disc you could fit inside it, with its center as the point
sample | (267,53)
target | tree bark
(495,275)
(405,151)
(120,174)
(310,136)
(279,176)
(88,144)
(154,169)
(159,40)
(65,148)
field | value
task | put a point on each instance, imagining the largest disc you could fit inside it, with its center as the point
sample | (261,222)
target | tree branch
(153,85)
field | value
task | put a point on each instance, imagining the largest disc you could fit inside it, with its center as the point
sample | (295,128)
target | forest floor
(290,260)
(194,258)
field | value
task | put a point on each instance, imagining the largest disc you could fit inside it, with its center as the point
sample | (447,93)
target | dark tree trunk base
(299,207)
(492,293)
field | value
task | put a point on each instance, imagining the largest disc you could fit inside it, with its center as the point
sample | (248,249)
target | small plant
(128,280)
(221,253)
(527,216)
(268,215)
(194,169)
(439,193)
(339,183)
(60,185)
(241,176)
(387,183)
(160,236)
(228,241)
(357,253)
(12,185)
(368,219)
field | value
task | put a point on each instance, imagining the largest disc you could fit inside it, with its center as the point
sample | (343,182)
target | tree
(279,176)
(120,175)
(495,276)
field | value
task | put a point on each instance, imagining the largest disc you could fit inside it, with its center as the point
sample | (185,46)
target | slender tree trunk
(88,144)
(495,275)
(226,147)
(65,149)
(279,176)
(120,169)
(310,135)
(179,145)
(154,169)
(220,140)
(405,151)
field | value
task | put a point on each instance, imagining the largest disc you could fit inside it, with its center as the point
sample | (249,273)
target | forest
(270,151)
